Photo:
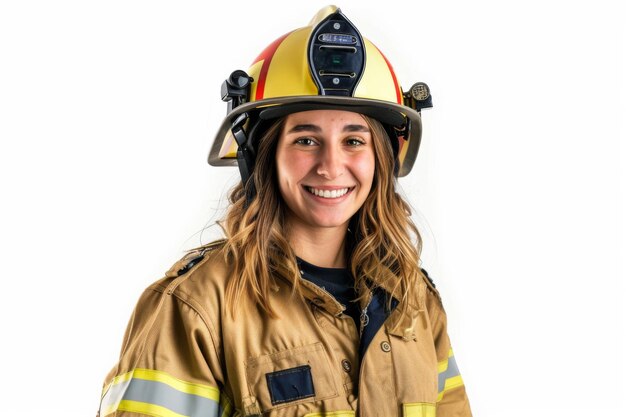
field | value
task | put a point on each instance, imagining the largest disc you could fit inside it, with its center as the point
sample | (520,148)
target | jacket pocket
(291,377)
(419,410)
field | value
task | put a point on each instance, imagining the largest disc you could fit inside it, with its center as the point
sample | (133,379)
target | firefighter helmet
(325,65)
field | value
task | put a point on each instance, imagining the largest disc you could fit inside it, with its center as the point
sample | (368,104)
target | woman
(314,304)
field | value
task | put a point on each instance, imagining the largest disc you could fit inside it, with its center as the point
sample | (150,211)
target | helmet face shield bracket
(236,89)
(336,56)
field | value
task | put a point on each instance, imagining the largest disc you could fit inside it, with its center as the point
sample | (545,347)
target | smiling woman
(314,304)
(325,168)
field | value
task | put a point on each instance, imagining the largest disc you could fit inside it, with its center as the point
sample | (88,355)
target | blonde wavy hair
(385,247)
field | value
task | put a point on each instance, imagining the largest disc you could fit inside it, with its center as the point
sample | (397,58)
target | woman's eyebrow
(355,128)
(305,128)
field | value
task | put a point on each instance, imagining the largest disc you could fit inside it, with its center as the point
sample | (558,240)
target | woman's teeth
(328,193)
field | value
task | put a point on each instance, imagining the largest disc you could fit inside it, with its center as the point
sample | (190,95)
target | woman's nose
(330,164)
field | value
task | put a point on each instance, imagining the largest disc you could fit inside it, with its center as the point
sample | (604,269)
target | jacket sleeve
(169,364)
(452,399)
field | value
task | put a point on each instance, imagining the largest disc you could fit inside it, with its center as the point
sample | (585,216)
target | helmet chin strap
(245,157)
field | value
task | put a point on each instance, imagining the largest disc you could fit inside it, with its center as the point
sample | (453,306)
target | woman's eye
(355,142)
(305,141)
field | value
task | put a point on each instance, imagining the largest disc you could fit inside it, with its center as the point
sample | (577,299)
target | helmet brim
(389,114)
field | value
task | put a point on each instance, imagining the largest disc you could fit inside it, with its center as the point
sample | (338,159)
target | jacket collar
(398,324)
(314,294)
(320,297)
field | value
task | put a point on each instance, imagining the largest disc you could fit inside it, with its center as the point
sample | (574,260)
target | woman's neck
(324,247)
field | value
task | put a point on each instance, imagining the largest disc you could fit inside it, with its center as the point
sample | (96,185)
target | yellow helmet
(325,65)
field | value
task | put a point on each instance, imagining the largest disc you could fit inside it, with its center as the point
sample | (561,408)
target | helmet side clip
(236,89)
(418,97)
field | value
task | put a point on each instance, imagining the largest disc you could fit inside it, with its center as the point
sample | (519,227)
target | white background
(107,111)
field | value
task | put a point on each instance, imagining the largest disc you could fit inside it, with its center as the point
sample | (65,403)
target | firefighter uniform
(185,355)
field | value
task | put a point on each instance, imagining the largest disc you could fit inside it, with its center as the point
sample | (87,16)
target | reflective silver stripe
(112,397)
(452,371)
(160,394)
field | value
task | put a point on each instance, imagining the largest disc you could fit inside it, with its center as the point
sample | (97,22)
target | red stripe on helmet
(266,56)
(393,75)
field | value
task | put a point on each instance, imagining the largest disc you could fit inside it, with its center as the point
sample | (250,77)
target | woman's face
(325,167)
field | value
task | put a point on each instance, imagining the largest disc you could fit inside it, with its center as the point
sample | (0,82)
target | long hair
(384,250)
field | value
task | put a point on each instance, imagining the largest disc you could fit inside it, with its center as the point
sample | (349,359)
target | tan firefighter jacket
(184,355)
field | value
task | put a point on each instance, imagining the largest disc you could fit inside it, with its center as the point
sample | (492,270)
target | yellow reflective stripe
(121,378)
(451,383)
(332,414)
(443,365)
(419,410)
(157,393)
(449,375)
(205,391)
(147,409)
(108,409)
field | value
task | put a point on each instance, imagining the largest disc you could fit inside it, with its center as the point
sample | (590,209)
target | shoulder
(208,253)
(429,282)
(200,274)
(433,298)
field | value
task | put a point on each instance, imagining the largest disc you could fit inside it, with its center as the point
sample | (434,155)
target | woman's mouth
(339,192)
